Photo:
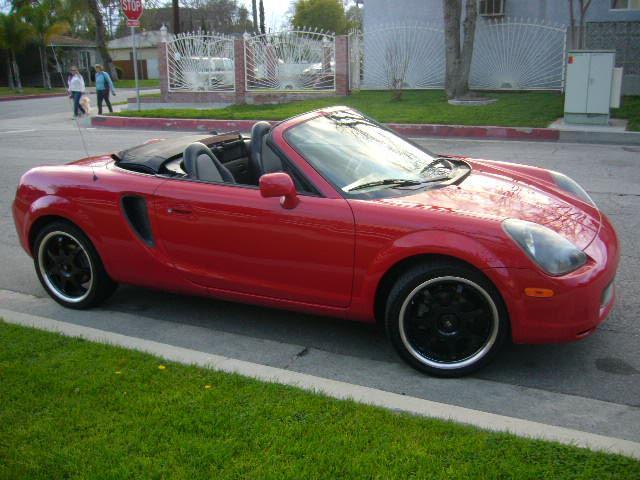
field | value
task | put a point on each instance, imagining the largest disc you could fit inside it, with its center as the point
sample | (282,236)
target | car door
(229,237)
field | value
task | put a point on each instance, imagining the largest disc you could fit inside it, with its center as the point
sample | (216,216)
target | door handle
(179,210)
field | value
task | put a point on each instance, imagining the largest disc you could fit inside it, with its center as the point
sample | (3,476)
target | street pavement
(592,385)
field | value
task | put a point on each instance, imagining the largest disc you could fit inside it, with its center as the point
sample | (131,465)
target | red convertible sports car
(331,213)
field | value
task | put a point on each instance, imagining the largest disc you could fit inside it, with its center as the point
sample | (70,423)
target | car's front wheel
(445,318)
(69,267)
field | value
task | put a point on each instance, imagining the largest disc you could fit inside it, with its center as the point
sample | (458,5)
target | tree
(263,30)
(101,38)
(43,19)
(176,16)
(15,34)
(354,17)
(578,37)
(254,11)
(458,57)
(326,15)
(397,57)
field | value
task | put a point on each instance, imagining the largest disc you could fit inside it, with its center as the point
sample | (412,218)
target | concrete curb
(406,129)
(32,97)
(336,389)
(411,130)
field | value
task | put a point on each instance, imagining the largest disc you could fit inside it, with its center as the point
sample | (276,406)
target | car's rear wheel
(69,267)
(445,318)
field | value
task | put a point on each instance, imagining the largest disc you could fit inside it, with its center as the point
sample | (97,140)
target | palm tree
(42,17)
(15,33)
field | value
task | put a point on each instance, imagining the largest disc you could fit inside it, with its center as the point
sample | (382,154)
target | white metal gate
(292,60)
(407,56)
(200,62)
(515,54)
(509,54)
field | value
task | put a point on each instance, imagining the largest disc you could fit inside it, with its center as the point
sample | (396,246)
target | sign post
(132,9)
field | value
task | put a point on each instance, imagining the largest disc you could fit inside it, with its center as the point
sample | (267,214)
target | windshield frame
(389,192)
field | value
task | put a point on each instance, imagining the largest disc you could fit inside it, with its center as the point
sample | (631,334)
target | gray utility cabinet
(588,88)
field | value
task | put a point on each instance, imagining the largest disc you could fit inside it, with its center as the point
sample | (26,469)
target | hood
(498,196)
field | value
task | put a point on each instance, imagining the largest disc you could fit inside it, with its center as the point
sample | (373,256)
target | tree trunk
(262,27)
(44,66)
(16,72)
(101,43)
(254,10)
(175,6)
(458,58)
(572,25)
(10,82)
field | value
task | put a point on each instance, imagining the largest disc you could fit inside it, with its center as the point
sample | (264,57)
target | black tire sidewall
(411,279)
(102,285)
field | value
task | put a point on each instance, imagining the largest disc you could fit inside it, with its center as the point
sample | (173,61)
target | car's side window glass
(303,186)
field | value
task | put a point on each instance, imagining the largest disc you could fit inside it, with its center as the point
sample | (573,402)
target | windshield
(357,155)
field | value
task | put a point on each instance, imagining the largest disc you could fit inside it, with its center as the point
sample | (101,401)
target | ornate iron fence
(200,62)
(518,54)
(509,54)
(293,60)
(394,56)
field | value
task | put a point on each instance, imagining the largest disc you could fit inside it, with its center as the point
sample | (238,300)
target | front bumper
(582,300)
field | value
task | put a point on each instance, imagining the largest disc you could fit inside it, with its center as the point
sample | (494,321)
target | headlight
(552,252)
(571,186)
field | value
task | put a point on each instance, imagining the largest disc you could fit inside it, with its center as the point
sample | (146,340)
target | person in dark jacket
(104,86)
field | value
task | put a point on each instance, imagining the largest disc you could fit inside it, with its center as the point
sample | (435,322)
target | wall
(430,11)
(150,55)
(620,29)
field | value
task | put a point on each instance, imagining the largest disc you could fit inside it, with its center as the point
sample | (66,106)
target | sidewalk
(409,130)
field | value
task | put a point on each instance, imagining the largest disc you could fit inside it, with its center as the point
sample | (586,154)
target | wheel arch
(394,272)
(41,222)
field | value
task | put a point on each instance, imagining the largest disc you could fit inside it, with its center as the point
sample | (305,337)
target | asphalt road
(592,385)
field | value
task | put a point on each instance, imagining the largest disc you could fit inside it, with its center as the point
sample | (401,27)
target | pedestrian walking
(76,89)
(104,86)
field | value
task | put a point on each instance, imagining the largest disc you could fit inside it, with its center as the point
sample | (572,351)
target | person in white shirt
(76,89)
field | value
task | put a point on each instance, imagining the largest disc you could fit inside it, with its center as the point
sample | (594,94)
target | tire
(69,267)
(445,318)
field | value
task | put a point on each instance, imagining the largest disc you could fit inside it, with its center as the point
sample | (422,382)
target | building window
(491,8)
(625,4)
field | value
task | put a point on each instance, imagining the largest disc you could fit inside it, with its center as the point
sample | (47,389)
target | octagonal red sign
(132,9)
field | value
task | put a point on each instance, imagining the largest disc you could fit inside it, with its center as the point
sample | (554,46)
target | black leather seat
(258,136)
(201,164)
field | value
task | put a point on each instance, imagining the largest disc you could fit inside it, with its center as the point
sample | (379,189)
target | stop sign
(132,9)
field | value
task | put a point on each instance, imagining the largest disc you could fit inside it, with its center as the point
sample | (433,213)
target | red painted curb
(32,97)
(410,130)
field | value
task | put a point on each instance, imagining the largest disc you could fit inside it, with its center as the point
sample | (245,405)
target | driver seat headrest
(201,164)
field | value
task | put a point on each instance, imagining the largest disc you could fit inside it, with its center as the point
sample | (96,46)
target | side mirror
(279,185)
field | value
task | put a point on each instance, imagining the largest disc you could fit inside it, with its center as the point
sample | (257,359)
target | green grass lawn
(132,84)
(75,409)
(630,109)
(537,109)
(417,106)
(9,92)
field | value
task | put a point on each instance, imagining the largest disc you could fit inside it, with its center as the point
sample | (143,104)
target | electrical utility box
(589,81)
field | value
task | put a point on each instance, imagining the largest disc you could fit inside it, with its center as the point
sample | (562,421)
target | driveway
(592,385)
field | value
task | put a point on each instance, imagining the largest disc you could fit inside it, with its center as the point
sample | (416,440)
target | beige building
(147,51)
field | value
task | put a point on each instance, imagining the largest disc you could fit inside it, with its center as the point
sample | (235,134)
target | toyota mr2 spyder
(331,213)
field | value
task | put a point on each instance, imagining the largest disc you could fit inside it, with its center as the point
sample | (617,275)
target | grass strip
(150,83)
(537,109)
(11,92)
(76,409)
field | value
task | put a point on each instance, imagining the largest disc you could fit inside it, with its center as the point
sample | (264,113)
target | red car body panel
(328,255)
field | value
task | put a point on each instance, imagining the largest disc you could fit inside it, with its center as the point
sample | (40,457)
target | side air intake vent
(135,210)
